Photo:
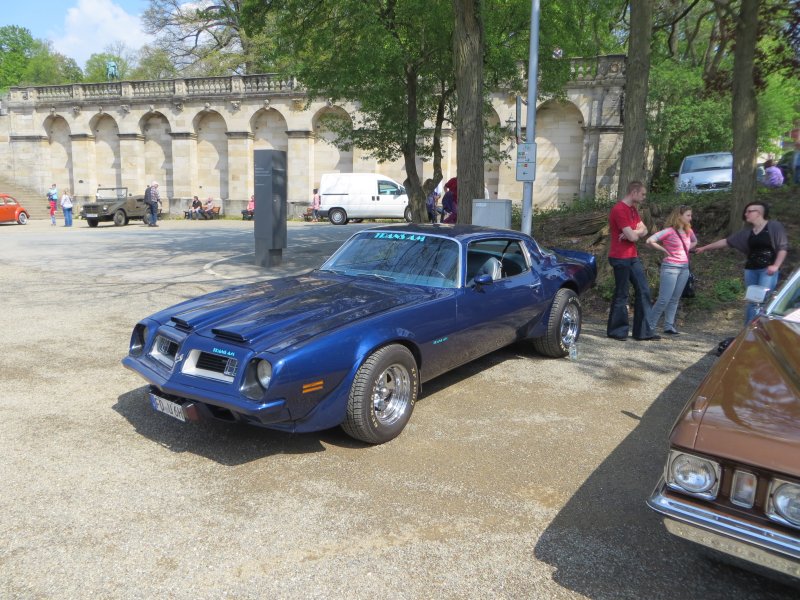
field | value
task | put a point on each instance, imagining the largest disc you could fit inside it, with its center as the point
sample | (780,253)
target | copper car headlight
(784,502)
(693,475)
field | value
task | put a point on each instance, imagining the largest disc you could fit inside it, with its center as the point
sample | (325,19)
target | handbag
(689,288)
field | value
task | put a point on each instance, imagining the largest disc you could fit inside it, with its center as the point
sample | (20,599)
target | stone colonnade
(197,137)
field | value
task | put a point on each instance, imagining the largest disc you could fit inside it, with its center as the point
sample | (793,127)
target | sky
(79,28)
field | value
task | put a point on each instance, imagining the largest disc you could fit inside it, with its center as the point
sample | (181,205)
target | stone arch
(269,130)
(106,150)
(559,140)
(327,157)
(59,149)
(157,148)
(212,154)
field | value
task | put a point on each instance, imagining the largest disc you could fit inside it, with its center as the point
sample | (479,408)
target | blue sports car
(352,342)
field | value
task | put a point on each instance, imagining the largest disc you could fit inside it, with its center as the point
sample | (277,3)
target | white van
(345,196)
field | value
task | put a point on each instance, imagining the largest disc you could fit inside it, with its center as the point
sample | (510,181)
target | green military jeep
(115,204)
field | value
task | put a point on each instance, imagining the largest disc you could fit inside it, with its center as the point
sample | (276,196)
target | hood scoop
(231,336)
(182,325)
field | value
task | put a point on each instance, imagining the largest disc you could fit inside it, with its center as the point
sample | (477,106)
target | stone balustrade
(598,68)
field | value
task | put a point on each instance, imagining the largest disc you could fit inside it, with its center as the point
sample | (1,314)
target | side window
(387,188)
(506,255)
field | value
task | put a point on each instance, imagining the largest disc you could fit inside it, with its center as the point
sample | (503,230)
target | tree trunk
(745,110)
(468,64)
(416,197)
(632,165)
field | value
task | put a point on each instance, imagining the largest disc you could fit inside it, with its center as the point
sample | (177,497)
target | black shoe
(652,338)
(671,332)
(619,338)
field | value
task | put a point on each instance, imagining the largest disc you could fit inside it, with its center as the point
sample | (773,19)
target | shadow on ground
(606,543)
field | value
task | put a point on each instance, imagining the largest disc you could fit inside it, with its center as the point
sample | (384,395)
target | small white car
(346,196)
(710,172)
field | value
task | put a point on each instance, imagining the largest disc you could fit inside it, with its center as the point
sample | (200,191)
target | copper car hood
(748,407)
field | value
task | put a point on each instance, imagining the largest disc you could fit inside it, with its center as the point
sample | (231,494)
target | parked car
(358,196)
(352,342)
(705,173)
(789,164)
(117,205)
(12,211)
(732,477)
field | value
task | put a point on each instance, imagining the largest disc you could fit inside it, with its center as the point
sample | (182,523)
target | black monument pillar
(270,213)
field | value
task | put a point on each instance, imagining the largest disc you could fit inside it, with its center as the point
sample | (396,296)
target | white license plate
(90,215)
(168,407)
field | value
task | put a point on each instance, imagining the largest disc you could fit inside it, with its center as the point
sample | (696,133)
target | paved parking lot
(517,477)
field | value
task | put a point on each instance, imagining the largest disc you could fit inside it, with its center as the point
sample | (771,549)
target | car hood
(688,180)
(748,408)
(275,314)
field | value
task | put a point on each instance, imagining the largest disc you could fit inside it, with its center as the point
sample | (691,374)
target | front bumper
(743,540)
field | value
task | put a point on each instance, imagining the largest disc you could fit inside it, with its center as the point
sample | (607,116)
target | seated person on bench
(250,210)
(196,210)
(208,208)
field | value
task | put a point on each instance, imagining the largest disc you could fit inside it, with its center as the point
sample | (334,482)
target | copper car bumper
(740,539)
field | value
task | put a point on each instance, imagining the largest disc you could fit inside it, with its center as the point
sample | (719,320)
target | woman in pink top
(675,240)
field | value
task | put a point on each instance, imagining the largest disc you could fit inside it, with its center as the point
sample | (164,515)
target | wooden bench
(187,214)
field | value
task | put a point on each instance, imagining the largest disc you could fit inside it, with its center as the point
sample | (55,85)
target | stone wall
(197,137)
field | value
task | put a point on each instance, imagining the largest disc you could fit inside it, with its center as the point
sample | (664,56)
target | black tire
(408,215)
(383,395)
(92,222)
(120,218)
(22,218)
(337,216)
(563,326)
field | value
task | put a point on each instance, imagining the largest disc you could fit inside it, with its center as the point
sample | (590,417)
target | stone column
(131,158)
(300,167)
(184,164)
(84,174)
(240,165)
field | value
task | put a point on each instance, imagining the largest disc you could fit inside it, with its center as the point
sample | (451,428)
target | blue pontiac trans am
(352,342)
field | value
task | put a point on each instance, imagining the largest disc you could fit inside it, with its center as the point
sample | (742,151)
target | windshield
(787,303)
(412,258)
(707,162)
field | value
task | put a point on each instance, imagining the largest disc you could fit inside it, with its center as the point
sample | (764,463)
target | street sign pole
(526,152)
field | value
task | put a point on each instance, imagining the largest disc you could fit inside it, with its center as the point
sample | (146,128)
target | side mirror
(756,294)
(484,279)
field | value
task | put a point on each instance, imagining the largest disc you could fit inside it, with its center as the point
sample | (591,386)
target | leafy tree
(207,37)
(47,67)
(16,48)
(154,63)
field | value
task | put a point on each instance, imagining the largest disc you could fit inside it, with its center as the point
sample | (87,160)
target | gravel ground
(518,476)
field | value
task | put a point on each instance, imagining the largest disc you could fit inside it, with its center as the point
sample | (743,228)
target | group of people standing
(762,241)
(65,202)
(448,211)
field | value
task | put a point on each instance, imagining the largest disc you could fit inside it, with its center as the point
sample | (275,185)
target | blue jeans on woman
(67,217)
(757,277)
(670,288)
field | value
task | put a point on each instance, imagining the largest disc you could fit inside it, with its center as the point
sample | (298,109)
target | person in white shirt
(66,206)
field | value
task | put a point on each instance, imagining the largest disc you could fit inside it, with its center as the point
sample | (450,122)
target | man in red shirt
(625,229)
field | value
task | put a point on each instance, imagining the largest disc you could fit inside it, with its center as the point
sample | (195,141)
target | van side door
(391,200)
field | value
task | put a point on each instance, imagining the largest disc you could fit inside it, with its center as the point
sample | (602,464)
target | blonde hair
(674,218)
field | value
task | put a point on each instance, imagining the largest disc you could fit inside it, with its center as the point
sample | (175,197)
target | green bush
(728,289)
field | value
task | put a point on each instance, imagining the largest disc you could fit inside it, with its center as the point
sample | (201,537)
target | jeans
(153,213)
(67,217)
(670,288)
(757,277)
(629,271)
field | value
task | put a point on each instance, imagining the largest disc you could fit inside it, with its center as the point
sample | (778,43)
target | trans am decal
(407,237)
(223,352)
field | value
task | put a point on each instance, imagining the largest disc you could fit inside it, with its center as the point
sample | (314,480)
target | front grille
(212,362)
(719,185)
(167,347)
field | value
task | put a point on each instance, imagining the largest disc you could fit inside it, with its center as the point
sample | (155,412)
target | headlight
(784,502)
(264,373)
(138,338)
(693,475)
(105,207)
(256,379)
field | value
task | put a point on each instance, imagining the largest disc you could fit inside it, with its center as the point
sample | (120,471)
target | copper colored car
(12,211)
(732,478)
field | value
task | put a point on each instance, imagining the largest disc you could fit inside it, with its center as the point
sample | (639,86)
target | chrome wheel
(570,325)
(391,395)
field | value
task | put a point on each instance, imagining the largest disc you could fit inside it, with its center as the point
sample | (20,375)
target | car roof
(705,154)
(461,233)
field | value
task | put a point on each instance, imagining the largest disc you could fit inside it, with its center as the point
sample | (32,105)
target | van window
(389,188)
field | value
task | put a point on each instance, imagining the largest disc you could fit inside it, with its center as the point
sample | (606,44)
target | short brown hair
(634,186)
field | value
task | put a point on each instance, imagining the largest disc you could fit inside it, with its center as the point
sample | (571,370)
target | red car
(11,210)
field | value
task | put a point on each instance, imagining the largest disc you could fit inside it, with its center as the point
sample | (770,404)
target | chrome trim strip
(736,532)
